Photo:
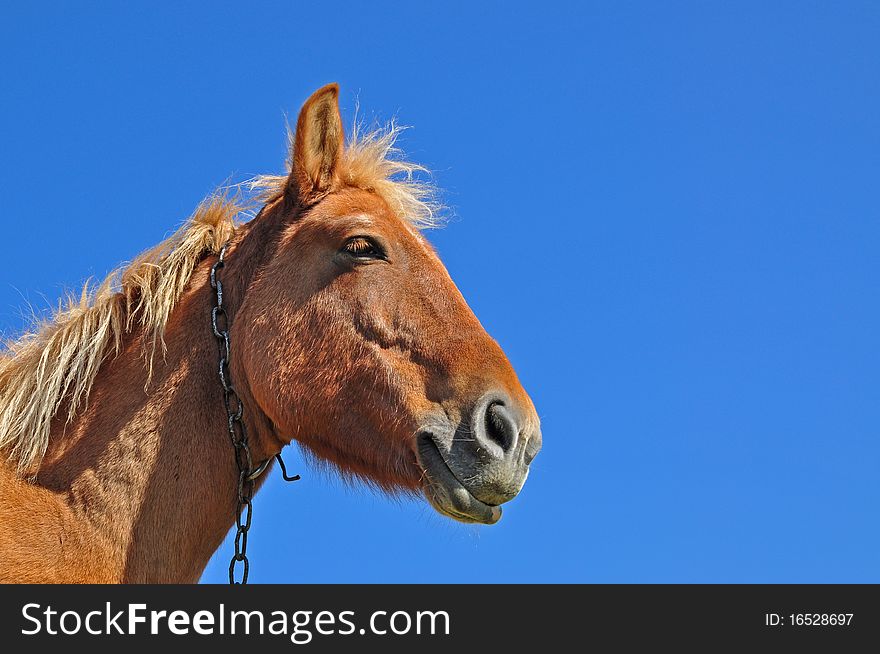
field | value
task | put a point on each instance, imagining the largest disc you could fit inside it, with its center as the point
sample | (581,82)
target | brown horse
(346,334)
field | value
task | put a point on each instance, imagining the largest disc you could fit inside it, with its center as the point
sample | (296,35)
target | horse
(338,328)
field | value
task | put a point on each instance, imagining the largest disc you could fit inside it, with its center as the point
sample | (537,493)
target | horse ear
(317,144)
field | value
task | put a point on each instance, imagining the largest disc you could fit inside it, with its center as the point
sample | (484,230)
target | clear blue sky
(666,213)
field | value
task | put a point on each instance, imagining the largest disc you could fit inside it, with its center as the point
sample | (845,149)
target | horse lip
(444,490)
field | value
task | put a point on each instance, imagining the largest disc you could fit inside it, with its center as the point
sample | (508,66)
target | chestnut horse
(346,334)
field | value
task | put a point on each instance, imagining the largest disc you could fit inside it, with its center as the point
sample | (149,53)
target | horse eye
(363,248)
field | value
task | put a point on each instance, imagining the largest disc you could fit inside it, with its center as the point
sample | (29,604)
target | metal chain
(247,474)
(237,431)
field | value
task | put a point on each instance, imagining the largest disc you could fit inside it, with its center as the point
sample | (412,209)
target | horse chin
(445,492)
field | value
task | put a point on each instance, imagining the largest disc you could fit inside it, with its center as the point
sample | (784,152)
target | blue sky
(666,213)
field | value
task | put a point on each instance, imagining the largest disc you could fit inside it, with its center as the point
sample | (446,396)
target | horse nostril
(500,427)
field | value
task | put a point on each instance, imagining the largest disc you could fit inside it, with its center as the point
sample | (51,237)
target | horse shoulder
(40,539)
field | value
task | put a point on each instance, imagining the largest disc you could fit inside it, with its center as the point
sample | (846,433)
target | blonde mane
(58,362)
(55,365)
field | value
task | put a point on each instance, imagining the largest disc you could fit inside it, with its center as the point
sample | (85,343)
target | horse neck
(147,472)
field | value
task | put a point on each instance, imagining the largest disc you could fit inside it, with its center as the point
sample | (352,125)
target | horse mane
(58,361)
(55,364)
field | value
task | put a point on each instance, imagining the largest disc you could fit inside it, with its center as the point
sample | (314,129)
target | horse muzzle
(474,467)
